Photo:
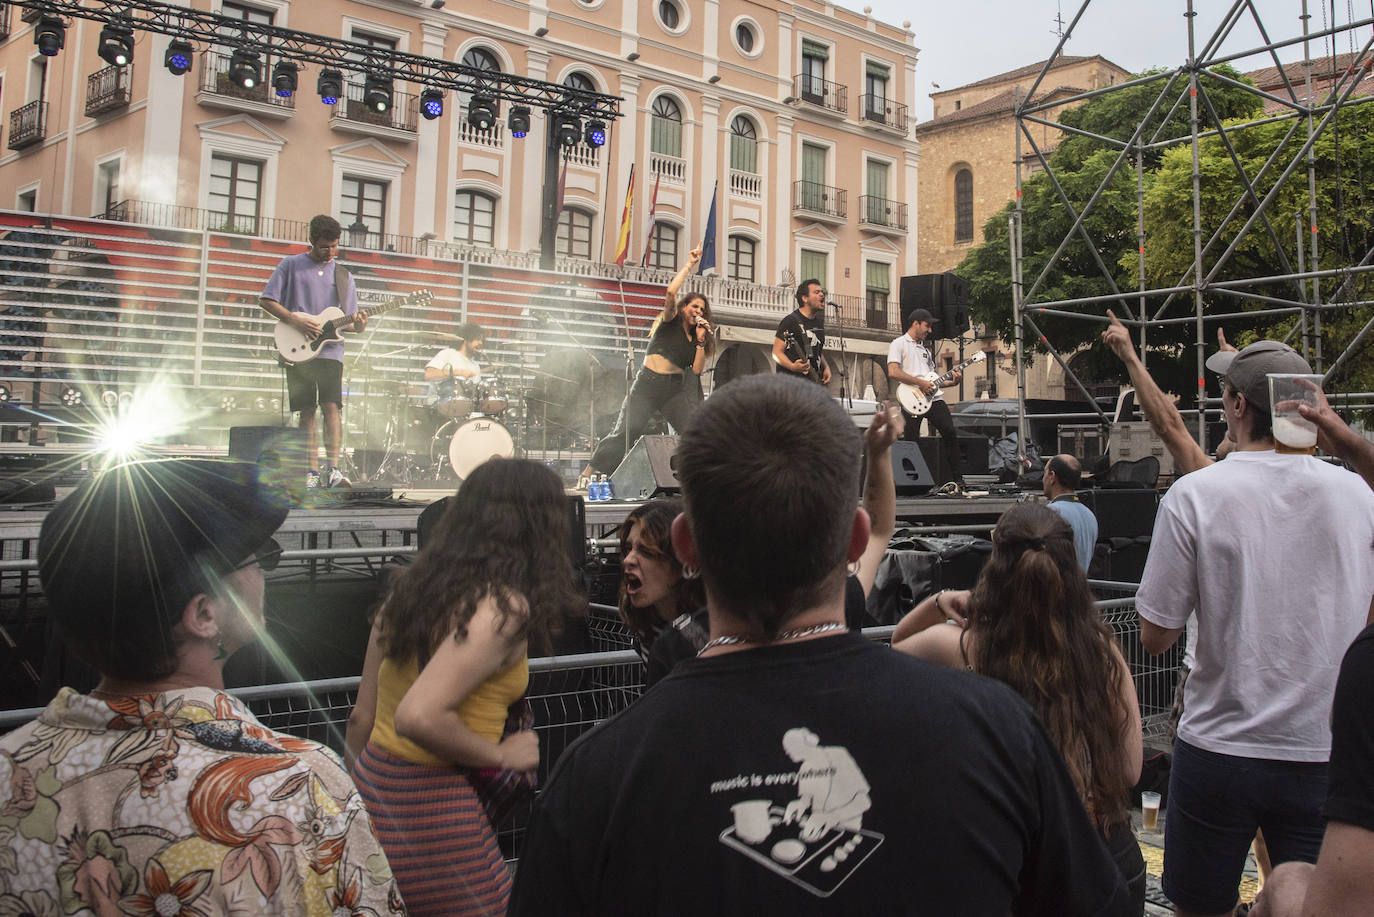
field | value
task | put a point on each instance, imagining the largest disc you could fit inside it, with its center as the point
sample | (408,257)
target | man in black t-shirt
(799,342)
(793,767)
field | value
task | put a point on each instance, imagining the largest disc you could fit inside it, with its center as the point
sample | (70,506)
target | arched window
(664,251)
(574,238)
(665,127)
(744,145)
(480,59)
(578,80)
(742,251)
(474,218)
(963,206)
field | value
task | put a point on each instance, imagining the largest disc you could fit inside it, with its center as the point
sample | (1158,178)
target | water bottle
(602,486)
(607,489)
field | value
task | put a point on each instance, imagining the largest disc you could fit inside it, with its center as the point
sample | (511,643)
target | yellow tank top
(483,711)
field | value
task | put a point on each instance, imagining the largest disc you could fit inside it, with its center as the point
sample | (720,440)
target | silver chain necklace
(733,639)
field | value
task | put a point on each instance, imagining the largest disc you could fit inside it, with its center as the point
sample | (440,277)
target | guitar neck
(373,311)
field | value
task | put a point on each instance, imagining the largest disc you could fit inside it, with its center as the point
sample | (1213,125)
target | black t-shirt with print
(800,326)
(1350,798)
(828,776)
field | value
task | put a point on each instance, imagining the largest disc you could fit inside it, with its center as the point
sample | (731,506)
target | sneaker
(312,479)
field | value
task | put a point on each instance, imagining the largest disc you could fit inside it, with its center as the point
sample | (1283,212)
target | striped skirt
(436,834)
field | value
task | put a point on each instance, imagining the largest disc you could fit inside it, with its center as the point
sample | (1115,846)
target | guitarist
(308,283)
(909,360)
(803,327)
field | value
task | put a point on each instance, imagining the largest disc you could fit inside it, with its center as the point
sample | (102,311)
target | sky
(961,41)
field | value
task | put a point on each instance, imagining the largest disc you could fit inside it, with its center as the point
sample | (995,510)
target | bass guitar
(295,346)
(916,402)
(799,347)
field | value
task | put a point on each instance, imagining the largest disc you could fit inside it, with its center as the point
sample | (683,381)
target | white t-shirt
(912,358)
(450,357)
(1276,553)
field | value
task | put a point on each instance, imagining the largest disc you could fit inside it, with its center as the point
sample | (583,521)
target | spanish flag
(622,245)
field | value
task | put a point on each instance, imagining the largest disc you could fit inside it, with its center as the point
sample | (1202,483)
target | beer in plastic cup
(1149,810)
(1293,433)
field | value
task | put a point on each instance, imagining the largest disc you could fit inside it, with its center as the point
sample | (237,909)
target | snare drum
(470,443)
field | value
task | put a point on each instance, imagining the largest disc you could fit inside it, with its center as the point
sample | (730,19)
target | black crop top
(671,343)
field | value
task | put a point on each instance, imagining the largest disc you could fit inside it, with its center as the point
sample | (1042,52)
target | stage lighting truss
(481,112)
(330,86)
(519,121)
(377,92)
(50,35)
(596,133)
(245,68)
(285,78)
(569,130)
(177,60)
(116,46)
(432,103)
(71,397)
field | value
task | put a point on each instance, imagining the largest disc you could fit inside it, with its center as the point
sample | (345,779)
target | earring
(854,566)
(690,572)
(220,652)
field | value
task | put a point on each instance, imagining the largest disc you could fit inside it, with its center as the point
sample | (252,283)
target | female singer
(680,339)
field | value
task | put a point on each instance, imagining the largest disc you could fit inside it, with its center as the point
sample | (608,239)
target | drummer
(460,363)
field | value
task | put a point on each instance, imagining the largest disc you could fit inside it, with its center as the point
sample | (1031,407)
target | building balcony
(878,111)
(672,168)
(823,94)
(812,199)
(107,90)
(868,311)
(28,125)
(882,215)
(216,90)
(586,156)
(493,138)
(4,21)
(31,14)
(746,184)
(399,122)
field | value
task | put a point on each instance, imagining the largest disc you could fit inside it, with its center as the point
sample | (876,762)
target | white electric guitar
(916,402)
(295,346)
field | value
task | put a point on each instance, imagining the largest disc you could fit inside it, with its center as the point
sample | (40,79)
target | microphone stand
(844,371)
(591,377)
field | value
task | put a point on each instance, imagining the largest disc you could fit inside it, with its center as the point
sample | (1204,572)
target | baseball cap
(131,546)
(1246,369)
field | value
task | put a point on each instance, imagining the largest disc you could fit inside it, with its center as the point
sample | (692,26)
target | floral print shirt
(180,803)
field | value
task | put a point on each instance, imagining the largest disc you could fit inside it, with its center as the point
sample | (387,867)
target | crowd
(780,762)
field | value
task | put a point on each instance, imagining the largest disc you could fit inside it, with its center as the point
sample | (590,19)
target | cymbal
(440,336)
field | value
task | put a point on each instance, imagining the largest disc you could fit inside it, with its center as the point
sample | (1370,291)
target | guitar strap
(341,276)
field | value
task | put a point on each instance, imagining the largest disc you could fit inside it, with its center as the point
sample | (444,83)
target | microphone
(833,305)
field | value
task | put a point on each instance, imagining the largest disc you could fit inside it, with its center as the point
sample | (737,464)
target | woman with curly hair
(656,599)
(680,340)
(1031,623)
(446,661)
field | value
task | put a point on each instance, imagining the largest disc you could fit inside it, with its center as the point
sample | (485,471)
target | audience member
(1030,621)
(1244,543)
(158,793)
(794,767)
(656,600)
(1062,476)
(437,715)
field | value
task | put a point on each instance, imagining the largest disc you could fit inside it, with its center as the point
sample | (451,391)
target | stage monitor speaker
(945,296)
(1128,513)
(649,470)
(910,473)
(279,453)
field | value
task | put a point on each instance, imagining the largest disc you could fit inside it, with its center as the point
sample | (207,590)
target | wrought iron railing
(877,109)
(814,197)
(108,90)
(28,124)
(402,115)
(214,79)
(822,93)
(882,211)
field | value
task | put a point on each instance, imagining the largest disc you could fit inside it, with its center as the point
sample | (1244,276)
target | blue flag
(708,244)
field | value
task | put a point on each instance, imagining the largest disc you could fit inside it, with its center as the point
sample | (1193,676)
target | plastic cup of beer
(1293,433)
(1149,811)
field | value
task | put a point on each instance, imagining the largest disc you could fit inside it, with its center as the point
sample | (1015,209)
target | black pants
(943,423)
(667,393)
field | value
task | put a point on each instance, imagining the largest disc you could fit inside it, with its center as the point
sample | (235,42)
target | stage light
(260,404)
(377,92)
(245,68)
(482,112)
(596,133)
(116,45)
(149,414)
(109,398)
(284,78)
(228,403)
(50,35)
(6,396)
(569,130)
(125,399)
(519,121)
(329,86)
(432,104)
(177,60)
(71,397)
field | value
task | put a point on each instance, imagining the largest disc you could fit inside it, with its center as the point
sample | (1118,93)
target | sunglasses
(267,557)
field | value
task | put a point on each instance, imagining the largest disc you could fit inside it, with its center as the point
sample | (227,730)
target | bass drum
(471,443)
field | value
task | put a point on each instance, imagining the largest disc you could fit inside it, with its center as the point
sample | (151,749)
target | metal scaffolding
(1310,117)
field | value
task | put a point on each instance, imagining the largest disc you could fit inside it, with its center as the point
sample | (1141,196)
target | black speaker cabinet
(649,470)
(910,472)
(944,295)
(279,453)
(1125,513)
